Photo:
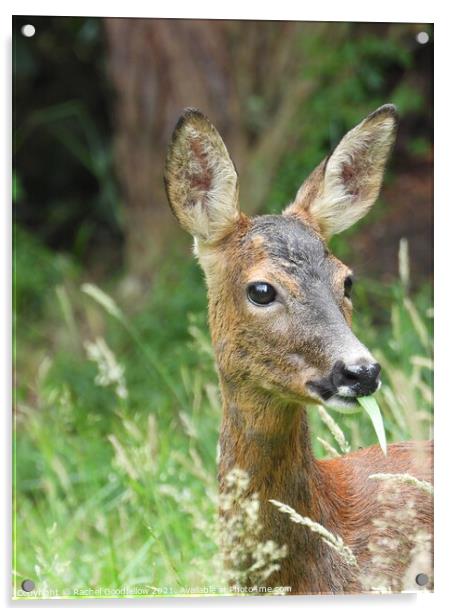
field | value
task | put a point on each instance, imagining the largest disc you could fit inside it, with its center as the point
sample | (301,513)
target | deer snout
(357,379)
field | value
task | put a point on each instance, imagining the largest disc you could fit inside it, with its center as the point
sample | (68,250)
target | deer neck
(270,440)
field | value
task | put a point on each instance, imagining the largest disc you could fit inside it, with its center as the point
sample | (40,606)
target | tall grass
(116,427)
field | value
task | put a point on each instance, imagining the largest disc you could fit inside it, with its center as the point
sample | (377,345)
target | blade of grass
(110,306)
(371,407)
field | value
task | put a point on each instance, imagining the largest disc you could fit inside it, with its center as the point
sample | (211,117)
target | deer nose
(361,378)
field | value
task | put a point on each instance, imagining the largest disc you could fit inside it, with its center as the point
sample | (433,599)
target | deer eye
(261,293)
(348,284)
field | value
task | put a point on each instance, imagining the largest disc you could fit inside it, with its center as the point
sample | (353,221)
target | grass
(116,427)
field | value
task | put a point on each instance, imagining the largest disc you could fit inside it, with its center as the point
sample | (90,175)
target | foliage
(65,190)
(116,482)
(365,71)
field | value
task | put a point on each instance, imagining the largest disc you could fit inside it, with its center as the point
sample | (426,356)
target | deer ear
(345,185)
(200,179)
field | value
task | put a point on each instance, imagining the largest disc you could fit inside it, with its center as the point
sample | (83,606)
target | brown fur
(271,442)
(267,357)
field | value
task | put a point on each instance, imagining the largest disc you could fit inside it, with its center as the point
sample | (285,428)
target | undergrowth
(117,412)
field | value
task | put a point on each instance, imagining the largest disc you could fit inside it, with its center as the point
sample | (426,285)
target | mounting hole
(422,38)
(28,585)
(422,579)
(28,30)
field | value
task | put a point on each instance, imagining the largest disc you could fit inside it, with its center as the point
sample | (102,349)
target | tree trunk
(160,66)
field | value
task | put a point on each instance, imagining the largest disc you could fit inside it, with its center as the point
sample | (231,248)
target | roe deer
(280,319)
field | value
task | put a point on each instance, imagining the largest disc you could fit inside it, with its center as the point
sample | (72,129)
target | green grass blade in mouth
(370,405)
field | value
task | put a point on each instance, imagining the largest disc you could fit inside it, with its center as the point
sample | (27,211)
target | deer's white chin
(343,404)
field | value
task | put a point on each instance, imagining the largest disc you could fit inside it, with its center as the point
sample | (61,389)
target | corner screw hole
(421,579)
(28,585)
(28,30)
(422,38)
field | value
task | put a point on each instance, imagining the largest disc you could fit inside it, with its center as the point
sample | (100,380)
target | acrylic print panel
(216,424)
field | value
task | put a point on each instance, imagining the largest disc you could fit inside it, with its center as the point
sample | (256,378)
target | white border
(383,10)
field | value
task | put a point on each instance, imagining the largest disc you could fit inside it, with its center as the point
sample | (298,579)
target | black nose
(361,378)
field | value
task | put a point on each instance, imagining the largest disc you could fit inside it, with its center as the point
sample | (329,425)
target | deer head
(279,302)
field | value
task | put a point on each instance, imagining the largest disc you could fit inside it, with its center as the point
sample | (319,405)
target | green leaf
(370,405)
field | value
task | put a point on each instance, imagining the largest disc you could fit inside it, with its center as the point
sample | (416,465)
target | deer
(280,315)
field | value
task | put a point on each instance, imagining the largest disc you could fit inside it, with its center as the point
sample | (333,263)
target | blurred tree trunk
(158,67)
